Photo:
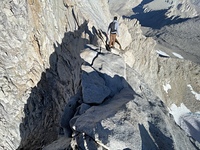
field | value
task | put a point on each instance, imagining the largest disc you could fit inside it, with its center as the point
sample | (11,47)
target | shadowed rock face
(57,80)
(125,119)
(48,98)
(25,50)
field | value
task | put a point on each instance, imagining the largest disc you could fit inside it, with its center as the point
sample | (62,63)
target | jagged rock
(128,120)
(83,108)
(162,71)
(183,9)
(110,64)
(110,71)
(61,143)
(69,112)
(28,31)
(190,123)
(94,88)
(89,55)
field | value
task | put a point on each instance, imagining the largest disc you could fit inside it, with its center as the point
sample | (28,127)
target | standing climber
(113,30)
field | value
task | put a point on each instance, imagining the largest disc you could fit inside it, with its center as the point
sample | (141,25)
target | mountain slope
(182,38)
(125,119)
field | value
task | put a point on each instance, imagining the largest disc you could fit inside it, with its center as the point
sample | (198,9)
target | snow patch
(188,121)
(177,55)
(177,112)
(197,95)
(167,87)
(162,53)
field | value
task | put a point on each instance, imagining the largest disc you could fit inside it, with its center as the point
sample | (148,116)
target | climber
(113,31)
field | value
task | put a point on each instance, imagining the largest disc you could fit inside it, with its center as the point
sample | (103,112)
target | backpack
(112,27)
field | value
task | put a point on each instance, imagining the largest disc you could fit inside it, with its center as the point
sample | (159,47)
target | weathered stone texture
(30,33)
(158,71)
